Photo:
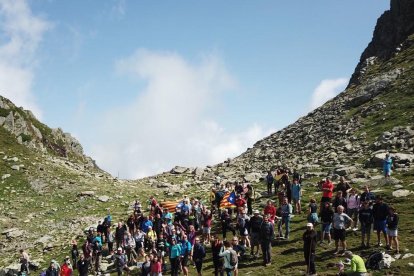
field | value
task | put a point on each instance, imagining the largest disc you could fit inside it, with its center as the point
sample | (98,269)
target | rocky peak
(30,132)
(390,34)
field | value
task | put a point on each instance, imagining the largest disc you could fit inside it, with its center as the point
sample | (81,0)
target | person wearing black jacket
(339,200)
(267,234)
(119,234)
(309,248)
(326,216)
(82,266)
(255,224)
(380,212)
(52,270)
(199,253)
(365,218)
(216,246)
(392,229)
(226,224)
(269,180)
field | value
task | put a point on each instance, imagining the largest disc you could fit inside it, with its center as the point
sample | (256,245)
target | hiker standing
(269,180)
(255,223)
(327,190)
(392,229)
(365,218)
(199,253)
(296,195)
(216,246)
(340,221)
(380,212)
(267,234)
(387,165)
(24,261)
(226,224)
(309,247)
(230,257)
(326,215)
(82,266)
(286,212)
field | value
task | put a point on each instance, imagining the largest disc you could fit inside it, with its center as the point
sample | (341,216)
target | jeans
(267,251)
(229,272)
(286,222)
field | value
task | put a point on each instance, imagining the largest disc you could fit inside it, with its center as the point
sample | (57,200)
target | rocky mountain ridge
(51,190)
(37,136)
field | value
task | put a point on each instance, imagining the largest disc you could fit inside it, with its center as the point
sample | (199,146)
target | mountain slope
(50,191)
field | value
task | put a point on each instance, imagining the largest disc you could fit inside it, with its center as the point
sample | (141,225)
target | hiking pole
(309,257)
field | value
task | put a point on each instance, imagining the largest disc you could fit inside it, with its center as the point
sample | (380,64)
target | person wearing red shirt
(327,190)
(66,268)
(271,211)
(240,201)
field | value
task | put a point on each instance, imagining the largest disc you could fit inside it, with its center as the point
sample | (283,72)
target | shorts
(243,232)
(313,218)
(366,228)
(296,200)
(339,234)
(326,227)
(380,225)
(255,238)
(392,232)
(206,230)
(325,199)
(184,261)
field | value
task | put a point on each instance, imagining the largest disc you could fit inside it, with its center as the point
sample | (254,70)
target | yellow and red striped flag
(228,201)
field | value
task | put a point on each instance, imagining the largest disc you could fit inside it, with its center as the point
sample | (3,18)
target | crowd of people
(159,240)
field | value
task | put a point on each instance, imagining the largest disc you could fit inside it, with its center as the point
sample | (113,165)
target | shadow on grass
(292,264)
(292,250)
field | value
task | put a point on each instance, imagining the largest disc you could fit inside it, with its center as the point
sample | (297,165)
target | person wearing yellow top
(357,265)
(152,237)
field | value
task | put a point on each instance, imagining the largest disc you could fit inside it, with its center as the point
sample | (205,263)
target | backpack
(233,257)
(378,261)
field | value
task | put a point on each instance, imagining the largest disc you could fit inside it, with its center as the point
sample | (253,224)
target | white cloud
(326,90)
(169,122)
(22,32)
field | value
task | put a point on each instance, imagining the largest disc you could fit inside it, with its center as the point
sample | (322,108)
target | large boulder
(179,170)
(342,171)
(402,193)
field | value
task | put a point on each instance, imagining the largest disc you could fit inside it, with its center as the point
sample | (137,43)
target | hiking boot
(379,244)
(362,245)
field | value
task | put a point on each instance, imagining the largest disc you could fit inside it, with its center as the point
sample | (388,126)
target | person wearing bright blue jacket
(175,255)
(387,164)
(146,223)
(186,253)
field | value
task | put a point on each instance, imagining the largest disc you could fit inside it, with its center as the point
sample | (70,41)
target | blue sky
(146,85)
